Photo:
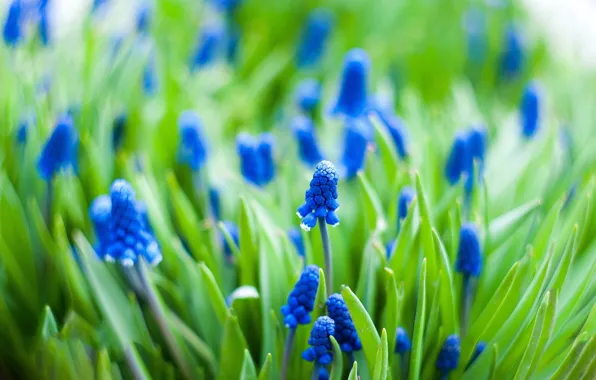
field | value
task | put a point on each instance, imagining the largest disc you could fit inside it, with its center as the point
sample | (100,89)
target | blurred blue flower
(232,229)
(141,207)
(308,95)
(479,349)
(226,6)
(321,197)
(118,130)
(256,158)
(150,80)
(402,341)
(295,237)
(129,238)
(513,55)
(12,25)
(265,152)
(209,46)
(301,300)
(100,213)
(469,254)
(397,131)
(357,134)
(448,357)
(352,100)
(192,150)
(345,331)
(60,150)
(314,38)
(26,122)
(144,16)
(215,203)
(459,160)
(320,345)
(406,196)
(308,147)
(529,110)
(97,4)
(44,27)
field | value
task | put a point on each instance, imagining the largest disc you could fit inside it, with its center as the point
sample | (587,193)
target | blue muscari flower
(226,6)
(12,25)
(345,331)
(44,27)
(208,46)
(98,4)
(129,237)
(448,357)
(403,344)
(314,38)
(308,147)
(234,234)
(215,203)
(144,15)
(308,95)
(320,344)
(100,213)
(352,100)
(357,134)
(479,349)
(406,196)
(469,254)
(150,80)
(60,150)
(459,160)
(301,300)
(477,141)
(23,129)
(192,150)
(118,130)
(389,248)
(529,110)
(321,197)
(513,55)
(295,237)
(256,158)
(397,131)
(265,152)
(232,44)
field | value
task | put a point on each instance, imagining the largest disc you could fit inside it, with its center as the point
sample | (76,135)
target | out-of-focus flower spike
(25,124)
(448,358)
(209,46)
(144,16)
(308,147)
(246,146)
(352,100)
(44,25)
(301,300)
(397,131)
(469,254)
(403,344)
(479,349)
(314,38)
(345,331)
(308,95)
(406,196)
(143,212)
(357,135)
(60,150)
(192,150)
(530,110)
(265,151)
(232,229)
(129,238)
(458,162)
(513,54)
(119,130)
(320,350)
(295,237)
(100,213)
(321,197)
(226,6)
(150,79)
(13,23)
(215,202)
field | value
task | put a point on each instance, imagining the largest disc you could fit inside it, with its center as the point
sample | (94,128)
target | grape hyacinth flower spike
(448,358)
(314,38)
(265,153)
(477,141)
(308,95)
(12,25)
(403,345)
(320,346)
(345,331)
(208,47)
(308,146)
(192,150)
(301,303)
(129,238)
(357,135)
(469,264)
(530,110)
(60,150)
(352,100)
(321,205)
(458,160)
(144,15)
(100,213)
(513,54)
(257,163)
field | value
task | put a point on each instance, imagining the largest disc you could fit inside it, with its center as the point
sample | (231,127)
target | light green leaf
(373,210)
(103,366)
(446,288)
(391,313)
(338,363)
(217,299)
(382,363)
(419,323)
(233,347)
(483,368)
(354,372)
(504,225)
(386,148)
(583,362)
(571,357)
(48,326)
(265,373)
(248,249)
(426,236)
(249,372)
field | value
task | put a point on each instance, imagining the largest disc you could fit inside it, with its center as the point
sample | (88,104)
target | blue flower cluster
(150,78)
(308,95)
(357,135)
(448,357)
(12,26)
(60,150)
(314,38)
(128,237)
(301,300)
(308,147)
(320,344)
(345,331)
(529,110)
(352,100)
(469,254)
(100,213)
(321,197)
(468,146)
(192,150)
(208,46)
(513,54)
(144,15)
(256,158)
(403,344)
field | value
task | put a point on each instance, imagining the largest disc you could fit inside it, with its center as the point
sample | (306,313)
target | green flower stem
(466,303)
(327,255)
(287,353)
(49,200)
(160,316)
